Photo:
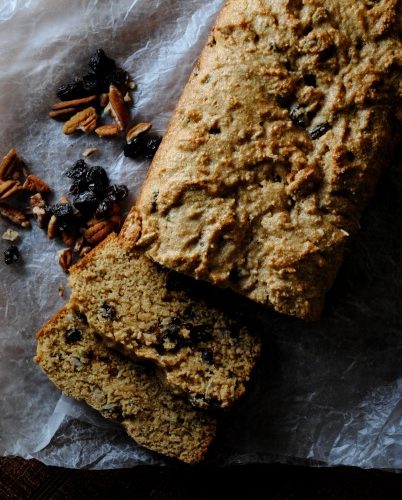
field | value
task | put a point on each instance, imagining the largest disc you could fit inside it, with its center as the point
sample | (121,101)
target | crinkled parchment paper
(328,392)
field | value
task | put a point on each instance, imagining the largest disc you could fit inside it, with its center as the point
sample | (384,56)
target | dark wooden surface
(21,479)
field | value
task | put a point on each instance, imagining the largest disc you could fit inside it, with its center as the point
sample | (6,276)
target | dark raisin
(78,171)
(104,208)
(100,63)
(91,84)
(108,311)
(188,313)
(208,356)
(11,255)
(327,53)
(277,178)
(234,275)
(117,192)
(200,333)
(96,179)
(117,77)
(73,335)
(152,146)
(298,115)
(61,210)
(154,203)
(72,90)
(319,130)
(214,130)
(86,201)
(90,354)
(310,80)
(81,316)
(283,101)
(78,187)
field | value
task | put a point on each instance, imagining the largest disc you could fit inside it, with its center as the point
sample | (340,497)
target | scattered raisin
(11,255)
(108,312)
(81,316)
(152,146)
(298,115)
(86,201)
(78,171)
(200,333)
(91,84)
(60,209)
(73,335)
(96,178)
(214,130)
(104,208)
(117,192)
(310,79)
(208,356)
(72,90)
(100,63)
(142,145)
(117,77)
(319,130)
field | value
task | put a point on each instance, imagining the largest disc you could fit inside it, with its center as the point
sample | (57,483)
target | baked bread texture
(289,117)
(77,362)
(142,309)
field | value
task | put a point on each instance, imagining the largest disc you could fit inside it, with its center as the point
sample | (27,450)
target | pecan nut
(33,183)
(8,188)
(10,235)
(14,215)
(118,107)
(138,129)
(38,210)
(84,120)
(65,259)
(9,164)
(108,130)
(98,232)
(74,103)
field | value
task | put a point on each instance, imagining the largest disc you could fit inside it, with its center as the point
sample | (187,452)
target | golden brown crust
(275,148)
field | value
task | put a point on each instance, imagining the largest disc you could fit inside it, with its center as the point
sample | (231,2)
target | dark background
(22,479)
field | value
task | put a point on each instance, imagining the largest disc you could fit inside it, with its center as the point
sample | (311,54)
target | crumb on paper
(61,291)
(10,235)
(89,152)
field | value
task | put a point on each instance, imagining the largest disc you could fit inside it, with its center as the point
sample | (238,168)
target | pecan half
(10,235)
(108,130)
(118,107)
(62,113)
(103,100)
(68,238)
(75,103)
(84,120)
(14,215)
(98,232)
(65,259)
(8,188)
(33,183)
(138,129)
(9,164)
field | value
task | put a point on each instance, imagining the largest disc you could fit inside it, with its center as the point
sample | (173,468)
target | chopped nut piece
(84,120)
(132,85)
(9,164)
(84,251)
(98,232)
(8,188)
(118,107)
(108,131)
(68,238)
(38,209)
(33,183)
(65,259)
(14,215)
(52,227)
(79,243)
(61,291)
(138,129)
(103,100)
(74,103)
(127,98)
(89,151)
(10,235)
(62,113)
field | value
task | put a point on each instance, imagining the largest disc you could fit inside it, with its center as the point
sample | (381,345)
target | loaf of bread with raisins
(289,117)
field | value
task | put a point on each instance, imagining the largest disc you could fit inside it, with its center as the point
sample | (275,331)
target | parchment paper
(325,393)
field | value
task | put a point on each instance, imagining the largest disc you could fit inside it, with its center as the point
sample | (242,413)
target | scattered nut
(10,235)
(108,131)
(103,100)
(89,151)
(75,103)
(118,107)
(132,85)
(65,259)
(61,291)
(68,238)
(52,227)
(9,164)
(14,215)
(8,188)
(84,120)
(98,232)
(33,183)
(85,250)
(127,98)
(38,210)
(138,129)
(79,244)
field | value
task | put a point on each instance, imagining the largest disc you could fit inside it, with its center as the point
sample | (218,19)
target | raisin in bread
(289,116)
(137,307)
(78,363)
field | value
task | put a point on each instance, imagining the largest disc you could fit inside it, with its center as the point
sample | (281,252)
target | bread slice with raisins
(151,314)
(77,362)
(290,115)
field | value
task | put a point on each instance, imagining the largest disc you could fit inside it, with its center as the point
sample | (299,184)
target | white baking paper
(327,393)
